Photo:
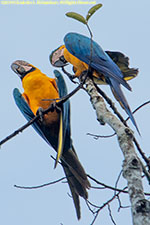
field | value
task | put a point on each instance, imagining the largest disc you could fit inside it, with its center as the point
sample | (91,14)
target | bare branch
(116,184)
(101,207)
(110,214)
(106,186)
(137,109)
(19,130)
(40,186)
(96,137)
(88,203)
(132,165)
(108,100)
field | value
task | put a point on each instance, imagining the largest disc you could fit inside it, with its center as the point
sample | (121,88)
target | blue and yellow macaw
(53,127)
(77,51)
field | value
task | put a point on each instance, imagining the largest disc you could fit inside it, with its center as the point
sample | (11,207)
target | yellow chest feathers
(78,64)
(37,86)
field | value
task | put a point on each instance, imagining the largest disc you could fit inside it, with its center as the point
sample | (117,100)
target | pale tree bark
(132,169)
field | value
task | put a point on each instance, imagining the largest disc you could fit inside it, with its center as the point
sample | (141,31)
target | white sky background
(30,33)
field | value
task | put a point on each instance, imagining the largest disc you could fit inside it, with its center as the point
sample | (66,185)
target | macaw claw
(70,76)
(40,113)
(54,106)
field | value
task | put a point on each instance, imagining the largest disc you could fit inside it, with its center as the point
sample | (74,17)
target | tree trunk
(132,169)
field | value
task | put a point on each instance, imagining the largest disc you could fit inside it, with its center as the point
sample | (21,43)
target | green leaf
(76,16)
(92,11)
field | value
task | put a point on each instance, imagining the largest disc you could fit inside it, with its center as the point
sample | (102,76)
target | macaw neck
(78,64)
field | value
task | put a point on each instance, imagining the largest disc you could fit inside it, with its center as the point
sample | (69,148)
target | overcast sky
(31,32)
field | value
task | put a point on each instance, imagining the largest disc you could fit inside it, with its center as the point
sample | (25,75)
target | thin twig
(100,208)
(88,205)
(96,206)
(101,136)
(146,159)
(94,187)
(70,76)
(107,186)
(105,204)
(19,130)
(110,214)
(118,178)
(139,107)
(40,186)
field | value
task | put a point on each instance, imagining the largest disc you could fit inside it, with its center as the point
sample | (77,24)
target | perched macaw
(109,67)
(53,127)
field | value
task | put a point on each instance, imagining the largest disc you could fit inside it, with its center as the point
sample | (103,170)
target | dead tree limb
(132,168)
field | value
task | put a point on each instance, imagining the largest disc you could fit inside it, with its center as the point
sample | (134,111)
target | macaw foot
(85,74)
(70,76)
(54,106)
(40,113)
(82,76)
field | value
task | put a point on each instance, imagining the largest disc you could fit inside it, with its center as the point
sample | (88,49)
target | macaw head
(57,58)
(22,68)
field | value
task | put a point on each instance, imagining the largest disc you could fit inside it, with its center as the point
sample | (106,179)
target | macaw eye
(21,70)
(62,58)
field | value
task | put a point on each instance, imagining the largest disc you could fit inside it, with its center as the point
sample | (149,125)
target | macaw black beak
(17,69)
(57,58)
(59,63)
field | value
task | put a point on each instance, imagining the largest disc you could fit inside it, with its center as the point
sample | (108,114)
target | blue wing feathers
(60,84)
(22,105)
(66,109)
(80,46)
(120,96)
(26,111)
